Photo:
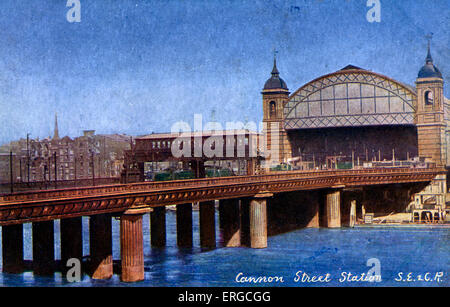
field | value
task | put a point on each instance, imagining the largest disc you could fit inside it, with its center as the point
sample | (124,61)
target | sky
(137,67)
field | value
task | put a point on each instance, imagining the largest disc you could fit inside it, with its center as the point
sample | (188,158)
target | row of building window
(168,144)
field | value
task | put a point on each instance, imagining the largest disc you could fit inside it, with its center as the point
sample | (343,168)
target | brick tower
(275,95)
(430,113)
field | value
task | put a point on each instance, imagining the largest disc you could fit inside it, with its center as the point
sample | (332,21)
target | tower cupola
(429,70)
(275,82)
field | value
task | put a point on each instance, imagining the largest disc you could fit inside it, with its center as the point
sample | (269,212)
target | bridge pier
(333,208)
(100,237)
(158,227)
(71,231)
(245,222)
(314,201)
(43,248)
(258,220)
(207,224)
(131,246)
(12,249)
(184,225)
(352,213)
(314,222)
(230,222)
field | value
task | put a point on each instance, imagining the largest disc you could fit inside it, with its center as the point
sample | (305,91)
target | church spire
(56,132)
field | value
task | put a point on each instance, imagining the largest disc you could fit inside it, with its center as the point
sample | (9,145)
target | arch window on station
(429,98)
(272,109)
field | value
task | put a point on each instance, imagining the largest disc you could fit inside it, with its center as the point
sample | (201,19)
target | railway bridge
(243,220)
(352,118)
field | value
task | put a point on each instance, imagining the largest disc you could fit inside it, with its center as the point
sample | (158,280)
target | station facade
(356,118)
(355,114)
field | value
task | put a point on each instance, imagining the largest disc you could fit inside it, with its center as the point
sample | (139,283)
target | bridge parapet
(341,176)
(66,203)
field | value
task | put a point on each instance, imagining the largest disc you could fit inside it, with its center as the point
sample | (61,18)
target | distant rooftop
(207,133)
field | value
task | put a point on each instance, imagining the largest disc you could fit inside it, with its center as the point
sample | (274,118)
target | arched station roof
(350,97)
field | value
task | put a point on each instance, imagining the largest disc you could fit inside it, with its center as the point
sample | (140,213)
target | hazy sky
(135,66)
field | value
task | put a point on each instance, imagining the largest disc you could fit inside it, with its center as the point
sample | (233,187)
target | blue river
(413,256)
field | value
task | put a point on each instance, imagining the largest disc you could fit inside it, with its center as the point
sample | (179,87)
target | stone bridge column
(43,248)
(71,240)
(333,208)
(314,203)
(207,224)
(258,220)
(158,227)
(230,222)
(352,213)
(245,221)
(132,245)
(12,248)
(100,237)
(184,225)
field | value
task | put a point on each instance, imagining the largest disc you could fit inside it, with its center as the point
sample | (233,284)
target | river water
(402,256)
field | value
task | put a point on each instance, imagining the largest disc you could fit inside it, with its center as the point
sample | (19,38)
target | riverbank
(397,225)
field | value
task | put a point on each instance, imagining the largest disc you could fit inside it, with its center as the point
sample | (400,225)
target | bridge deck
(52,204)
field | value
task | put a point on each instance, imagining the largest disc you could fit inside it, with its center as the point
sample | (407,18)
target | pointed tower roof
(429,59)
(56,132)
(275,82)
(429,70)
(275,69)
